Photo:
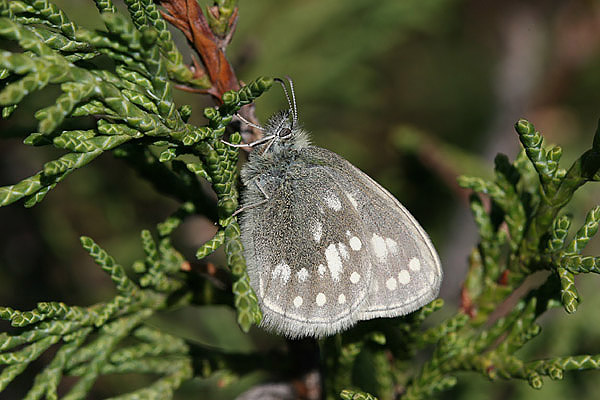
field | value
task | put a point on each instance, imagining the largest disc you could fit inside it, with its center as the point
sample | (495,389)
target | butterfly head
(282,132)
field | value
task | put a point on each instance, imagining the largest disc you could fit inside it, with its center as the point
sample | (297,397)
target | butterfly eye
(285,132)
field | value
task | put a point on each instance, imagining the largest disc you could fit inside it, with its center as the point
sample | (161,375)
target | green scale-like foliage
(522,228)
(134,109)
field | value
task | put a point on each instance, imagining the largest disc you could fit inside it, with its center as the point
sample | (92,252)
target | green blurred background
(413,92)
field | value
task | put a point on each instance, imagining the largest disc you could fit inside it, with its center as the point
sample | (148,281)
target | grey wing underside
(407,270)
(331,247)
(308,278)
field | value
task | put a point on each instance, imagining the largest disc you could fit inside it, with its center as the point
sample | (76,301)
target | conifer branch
(519,215)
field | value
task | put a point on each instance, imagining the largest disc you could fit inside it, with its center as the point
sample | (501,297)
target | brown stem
(466,303)
(188,17)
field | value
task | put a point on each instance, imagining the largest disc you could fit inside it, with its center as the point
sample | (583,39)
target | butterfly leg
(260,203)
(259,141)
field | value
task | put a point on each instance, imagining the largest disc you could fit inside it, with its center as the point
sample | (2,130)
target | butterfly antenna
(287,96)
(295,109)
(244,120)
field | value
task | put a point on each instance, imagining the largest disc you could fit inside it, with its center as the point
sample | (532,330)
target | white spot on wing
(431,276)
(334,262)
(341,298)
(391,245)
(321,269)
(343,250)
(297,301)
(317,231)
(391,284)
(352,200)
(321,299)
(355,277)
(404,277)
(414,264)
(283,271)
(379,247)
(355,243)
(333,202)
(302,275)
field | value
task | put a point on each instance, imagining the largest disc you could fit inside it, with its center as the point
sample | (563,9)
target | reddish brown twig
(466,304)
(188,17)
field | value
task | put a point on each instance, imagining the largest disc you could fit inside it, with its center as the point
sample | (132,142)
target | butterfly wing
(301,249)
(406,269)
(330,246)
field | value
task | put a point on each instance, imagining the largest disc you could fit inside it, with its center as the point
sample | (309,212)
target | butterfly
(325,245)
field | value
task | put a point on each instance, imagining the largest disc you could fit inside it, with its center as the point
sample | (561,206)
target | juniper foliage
(524,229)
